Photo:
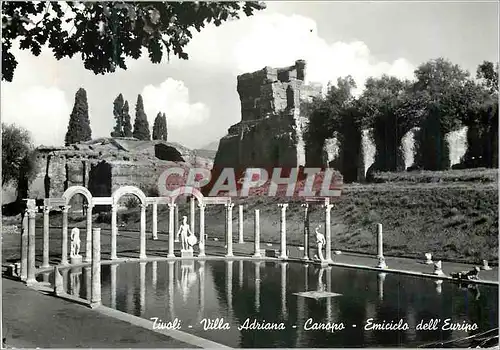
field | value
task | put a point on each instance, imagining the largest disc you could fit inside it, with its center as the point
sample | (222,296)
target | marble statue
(75,242)
(320,241)
(188,239)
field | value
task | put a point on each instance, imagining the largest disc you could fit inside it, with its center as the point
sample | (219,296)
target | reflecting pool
(359,308)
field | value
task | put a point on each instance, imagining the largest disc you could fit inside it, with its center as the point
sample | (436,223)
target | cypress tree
(118,113)
(79,123)
(160,127)
(127,126)
(141,125)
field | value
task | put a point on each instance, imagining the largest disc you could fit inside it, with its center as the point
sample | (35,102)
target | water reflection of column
(229,285)
(329,289)
(241,274)
(306,277)
(113,285)
(142,281)
(283,289)
(64,251)
(114,231)
(381,279)
(257,286)
(171,207)
(171,288)
(301,317)
(154,265)
(201,290)
(176,221)
(46,238)
(66,280)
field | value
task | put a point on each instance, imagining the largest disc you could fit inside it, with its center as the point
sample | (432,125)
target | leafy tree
(386,104)
(141,125)
(160,127)
(105,33)
(127,126)
(488,74)
(338,113)
(17,149)
(79,123)
(439,91)
(118,113)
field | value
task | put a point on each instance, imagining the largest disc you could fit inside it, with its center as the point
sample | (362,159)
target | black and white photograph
(278,174)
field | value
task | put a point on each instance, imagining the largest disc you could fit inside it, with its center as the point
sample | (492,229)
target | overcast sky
(199,96)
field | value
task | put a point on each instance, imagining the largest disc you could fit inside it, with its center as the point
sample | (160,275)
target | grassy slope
(456,220)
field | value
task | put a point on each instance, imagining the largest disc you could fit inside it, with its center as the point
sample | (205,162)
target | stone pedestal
(76,259)
(186,253)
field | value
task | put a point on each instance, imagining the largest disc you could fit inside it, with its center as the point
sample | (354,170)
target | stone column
(142,253)
(283,289)
(171,234)
(283,230)
(155,220)
(257,234)
(176,222)
(201,205)
(380,241)
(96,268)
(114,231)
(192,213)
(229,229)
(257,286)
(328,233)
(229,285)
(46,237)
(113,285)
(240,224)
(154,272)
(24,247)
(64,259)
(306,231)
(88,246)
(142,290)
(31,246)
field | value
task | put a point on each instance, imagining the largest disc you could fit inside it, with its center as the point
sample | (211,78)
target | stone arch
(115,197)
(74,190)
(185,190)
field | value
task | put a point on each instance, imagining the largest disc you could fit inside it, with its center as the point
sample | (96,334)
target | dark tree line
(443,98)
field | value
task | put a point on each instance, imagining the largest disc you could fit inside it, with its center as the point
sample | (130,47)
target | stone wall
(271,129)
(104,165)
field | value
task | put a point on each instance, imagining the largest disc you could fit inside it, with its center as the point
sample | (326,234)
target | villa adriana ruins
(270,133)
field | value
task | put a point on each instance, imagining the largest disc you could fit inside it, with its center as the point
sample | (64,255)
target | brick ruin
(271,128)
(105,164)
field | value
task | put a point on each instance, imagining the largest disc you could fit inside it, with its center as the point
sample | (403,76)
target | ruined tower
(271,129)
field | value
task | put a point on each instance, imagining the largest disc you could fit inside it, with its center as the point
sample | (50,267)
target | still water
(237,291)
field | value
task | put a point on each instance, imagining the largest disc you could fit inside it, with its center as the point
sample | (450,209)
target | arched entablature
(115,197)
(74,190)
(186,190)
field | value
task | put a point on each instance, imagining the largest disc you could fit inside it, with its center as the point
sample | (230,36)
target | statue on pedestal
(188,239)
(75,242)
